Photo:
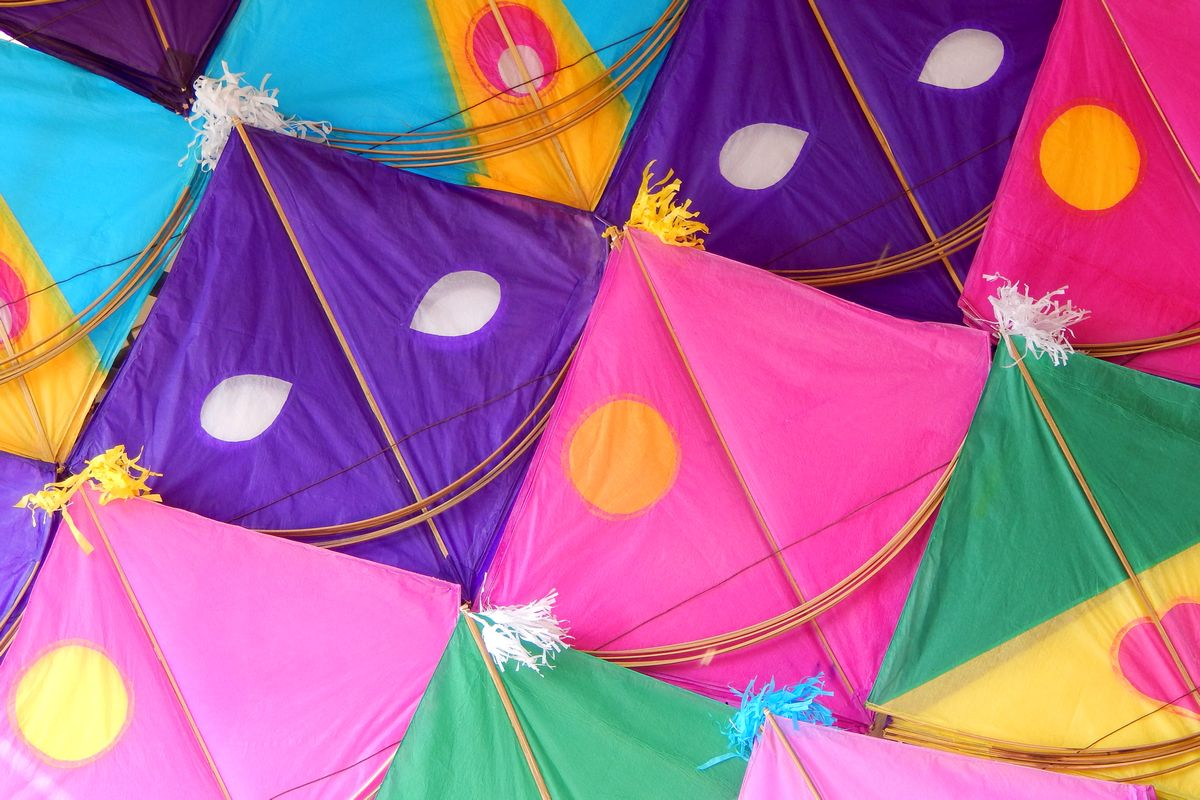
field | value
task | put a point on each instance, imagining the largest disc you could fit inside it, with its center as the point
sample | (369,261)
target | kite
(1053,621)
(811,762)
(582,729)
(183,657)
(732,455)
(354,355)
(21,544)
(1100,192)
(856,146)
(533,96)
(83,235)
(157,48)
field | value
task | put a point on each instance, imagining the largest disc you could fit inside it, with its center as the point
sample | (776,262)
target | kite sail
(185,653)
(1053,621)
(79,249)
(855,146)
(533,97)
(731,456)
(154,47)
(1101,191)
(584,729)
(21,543)
(812,762)
(355,355)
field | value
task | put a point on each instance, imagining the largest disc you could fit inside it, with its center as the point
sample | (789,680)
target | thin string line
(400,440)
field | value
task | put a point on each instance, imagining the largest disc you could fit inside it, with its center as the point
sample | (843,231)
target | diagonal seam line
(509,710)
(158,653)
(762,523)
(333,323)
(1100,518)
(882,140)
(808,780)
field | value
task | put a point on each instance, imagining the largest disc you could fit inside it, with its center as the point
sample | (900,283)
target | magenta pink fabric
(301,668)
(1132,265)
(840,419)
(848,766)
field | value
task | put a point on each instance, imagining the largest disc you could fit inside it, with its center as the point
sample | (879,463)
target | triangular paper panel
(22,542)
(762,114)
(189,658)
(82,237)
(274,374)
(593,730)
(531,97)
(154,47)
(811,761)
(729,445)
(1105,146)
(1073,485)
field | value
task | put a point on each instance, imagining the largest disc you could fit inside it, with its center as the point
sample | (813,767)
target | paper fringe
(1044,322)
(655,211)
(221,101)
(113,473)
(798,703)
(509,633)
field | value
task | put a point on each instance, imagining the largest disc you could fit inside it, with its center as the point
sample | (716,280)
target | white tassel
(506,631)
(221,101)
(1043,322)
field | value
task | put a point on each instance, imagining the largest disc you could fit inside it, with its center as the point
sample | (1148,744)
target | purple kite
(157,48)
(837,141)
(354,355)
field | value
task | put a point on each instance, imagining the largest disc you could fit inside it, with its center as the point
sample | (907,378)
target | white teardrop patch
(459,303)
(963,59)
(510,70)
(760,155)
(242,407)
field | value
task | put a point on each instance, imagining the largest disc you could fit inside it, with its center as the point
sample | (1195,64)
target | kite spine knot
(113,474)
(528,635)
(1044,322)
(655,211)
(223,102)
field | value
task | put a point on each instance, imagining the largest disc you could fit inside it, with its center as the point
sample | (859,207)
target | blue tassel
(799,703)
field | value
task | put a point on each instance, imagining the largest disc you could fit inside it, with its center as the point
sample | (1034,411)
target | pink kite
(1102,191)
(731,455)
(811,762)
(186,658)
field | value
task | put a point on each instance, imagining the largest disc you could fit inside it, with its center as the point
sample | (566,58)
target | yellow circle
(623,457)
(1090,158)
(71,704)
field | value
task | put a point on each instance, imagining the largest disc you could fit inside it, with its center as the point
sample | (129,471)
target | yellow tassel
(654,210)
(113,473)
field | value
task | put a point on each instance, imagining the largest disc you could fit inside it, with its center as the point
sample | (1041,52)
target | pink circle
(14,304)
(495,60)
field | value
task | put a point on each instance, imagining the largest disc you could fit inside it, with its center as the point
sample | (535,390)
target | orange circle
(623,457)
(1089,157)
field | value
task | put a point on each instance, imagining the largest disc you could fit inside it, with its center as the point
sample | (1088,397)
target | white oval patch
(242,407)
(760,155)
(459,303)
(510,70)
(963,59)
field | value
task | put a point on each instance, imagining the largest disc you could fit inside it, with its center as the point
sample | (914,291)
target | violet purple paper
(839,202)
(120,39)
(22,539)
(238,303)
